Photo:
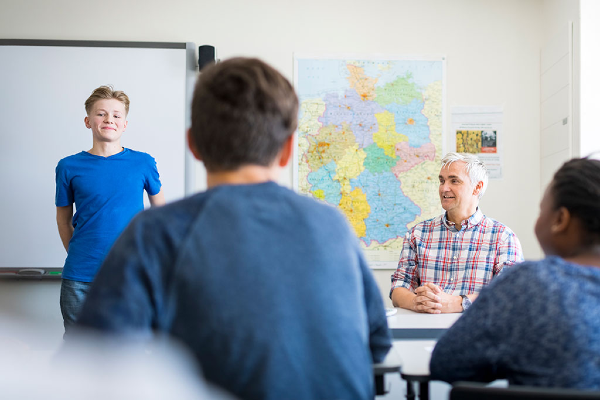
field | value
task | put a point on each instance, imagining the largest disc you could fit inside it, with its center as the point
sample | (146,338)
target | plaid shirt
(459,262)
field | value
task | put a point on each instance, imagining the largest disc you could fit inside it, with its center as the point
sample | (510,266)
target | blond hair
(106,93)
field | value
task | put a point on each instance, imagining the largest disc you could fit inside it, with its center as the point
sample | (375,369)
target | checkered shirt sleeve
(459,262)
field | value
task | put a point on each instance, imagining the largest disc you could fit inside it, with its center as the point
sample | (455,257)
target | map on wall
(369,142)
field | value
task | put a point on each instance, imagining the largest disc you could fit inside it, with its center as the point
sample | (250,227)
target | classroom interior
(498,53)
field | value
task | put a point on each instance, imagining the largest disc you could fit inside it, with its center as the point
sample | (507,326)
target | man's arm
(425,299)
(442,301)
(157,200)
(509,252)
(430,298)
(64,217)
(403,298)
(404,277)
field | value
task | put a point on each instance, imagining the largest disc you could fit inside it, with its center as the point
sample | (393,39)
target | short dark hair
(243,111)
(576,186)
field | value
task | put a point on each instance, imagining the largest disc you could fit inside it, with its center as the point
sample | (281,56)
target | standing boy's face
(107,120)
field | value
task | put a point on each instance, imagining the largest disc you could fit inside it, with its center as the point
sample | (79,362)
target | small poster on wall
(477,130)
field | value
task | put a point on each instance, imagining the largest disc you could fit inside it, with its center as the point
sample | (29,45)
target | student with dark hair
(538,323)
(269,289)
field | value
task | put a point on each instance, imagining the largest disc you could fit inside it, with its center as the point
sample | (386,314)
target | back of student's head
(243,111)
(106,93)
(576,186)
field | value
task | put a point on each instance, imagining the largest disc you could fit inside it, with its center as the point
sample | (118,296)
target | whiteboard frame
(190,73)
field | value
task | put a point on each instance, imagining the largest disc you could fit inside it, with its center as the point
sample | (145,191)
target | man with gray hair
(447,260)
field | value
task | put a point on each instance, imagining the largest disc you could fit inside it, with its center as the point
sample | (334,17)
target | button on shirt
(458,261)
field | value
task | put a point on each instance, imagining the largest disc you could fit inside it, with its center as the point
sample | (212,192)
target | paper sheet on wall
(478,130)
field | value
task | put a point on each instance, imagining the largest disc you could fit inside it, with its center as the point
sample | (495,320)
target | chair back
(478,391)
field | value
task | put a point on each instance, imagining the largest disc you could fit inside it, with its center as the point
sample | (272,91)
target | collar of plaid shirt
(472,221)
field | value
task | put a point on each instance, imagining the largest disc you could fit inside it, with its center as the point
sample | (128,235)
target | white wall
(589,136)
(492,49)
(586,63)
(560,78)
(556,13)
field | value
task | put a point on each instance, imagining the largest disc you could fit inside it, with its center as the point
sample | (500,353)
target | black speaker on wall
(206,56)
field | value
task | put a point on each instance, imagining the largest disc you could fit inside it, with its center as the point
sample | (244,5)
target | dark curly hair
(576,186)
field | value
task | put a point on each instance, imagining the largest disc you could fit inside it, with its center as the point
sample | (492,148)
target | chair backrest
(477,391)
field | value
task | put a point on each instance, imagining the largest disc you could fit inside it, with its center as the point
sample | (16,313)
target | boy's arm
(158,199)
(380,340)
(64,216)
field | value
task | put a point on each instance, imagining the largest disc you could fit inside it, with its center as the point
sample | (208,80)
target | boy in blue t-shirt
(107,184)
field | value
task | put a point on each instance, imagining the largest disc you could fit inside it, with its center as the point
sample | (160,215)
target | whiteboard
(43,87)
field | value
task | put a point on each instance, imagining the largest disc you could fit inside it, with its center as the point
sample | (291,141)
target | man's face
(456,190)
(107,120)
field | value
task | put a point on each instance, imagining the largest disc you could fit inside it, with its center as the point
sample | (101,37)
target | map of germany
(370,142)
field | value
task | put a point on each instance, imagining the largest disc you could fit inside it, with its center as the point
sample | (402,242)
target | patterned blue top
(537,324)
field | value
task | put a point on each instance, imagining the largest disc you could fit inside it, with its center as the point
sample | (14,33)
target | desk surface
(415,355)
(391,363)
(407,324)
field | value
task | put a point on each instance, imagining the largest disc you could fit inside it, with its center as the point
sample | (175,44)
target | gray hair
(475,168)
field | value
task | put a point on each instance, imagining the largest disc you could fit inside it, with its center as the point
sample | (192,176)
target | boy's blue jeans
(72,295)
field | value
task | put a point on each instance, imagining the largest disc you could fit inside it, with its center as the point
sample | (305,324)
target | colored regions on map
(328,145)
(369,142)
(356,207)
(409,157)
(411,122)
(352,110)
(322,182)
(361,83)
(391,210)
(401,91)
(387,137)
(377,161)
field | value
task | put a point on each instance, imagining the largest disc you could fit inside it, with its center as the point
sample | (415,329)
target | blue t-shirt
(537,324)
(107,192)
(269,289)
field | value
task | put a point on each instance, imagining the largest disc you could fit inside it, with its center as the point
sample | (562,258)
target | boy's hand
(64,218)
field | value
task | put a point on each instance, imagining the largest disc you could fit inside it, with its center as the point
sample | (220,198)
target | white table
(411,359)
(409,325)
(391,364)
(415,367)
(415,355)
(414,336)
